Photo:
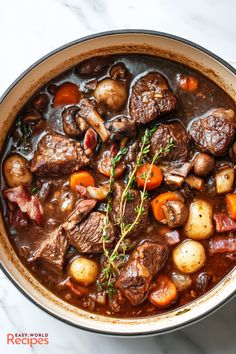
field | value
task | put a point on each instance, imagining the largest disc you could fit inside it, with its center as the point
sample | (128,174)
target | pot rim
(28,70)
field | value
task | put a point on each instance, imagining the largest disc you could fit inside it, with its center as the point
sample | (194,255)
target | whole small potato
(189,256)
(84,270)
(203,165)
(199,225)
(16,171)
(112,93)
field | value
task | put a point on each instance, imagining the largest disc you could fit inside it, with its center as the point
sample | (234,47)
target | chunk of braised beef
(132,153)
(231,256)
(214,132)
(222,244)
(120,127)
(144,263)
(224,223)
(58,155)
(51,252)
(165,134)
(150,98)
(130,212)
(82,208)
(93,66)
(87,236)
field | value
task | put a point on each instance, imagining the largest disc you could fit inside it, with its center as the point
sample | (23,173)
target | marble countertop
(28,30)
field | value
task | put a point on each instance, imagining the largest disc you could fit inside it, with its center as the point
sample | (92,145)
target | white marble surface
(28,30)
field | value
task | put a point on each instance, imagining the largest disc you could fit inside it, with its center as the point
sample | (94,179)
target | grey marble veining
(28,30)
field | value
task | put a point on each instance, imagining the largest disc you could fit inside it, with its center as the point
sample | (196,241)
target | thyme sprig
(115,258)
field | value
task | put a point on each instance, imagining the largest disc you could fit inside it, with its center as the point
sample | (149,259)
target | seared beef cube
(57,155)
(130,213)
(161,138)
(132,153)
(144,263)
(87,236)
(214,133)
(82,209)
(52,250)
(151,98)
(120,126)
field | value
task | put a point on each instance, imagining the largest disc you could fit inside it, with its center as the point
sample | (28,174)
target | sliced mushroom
(69,122)
(195,182)
(174,180)
(181,170)
(175,212)
(120,126)
(118,71)
(89,113)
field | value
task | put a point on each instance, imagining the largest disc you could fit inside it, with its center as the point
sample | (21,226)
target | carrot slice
(104,166)
(188,82)
(81,178)
(161,200)
(155,176)
(67,93)
(164,293)
(231,204)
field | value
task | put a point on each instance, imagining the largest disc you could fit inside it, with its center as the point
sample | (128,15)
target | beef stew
(118,185)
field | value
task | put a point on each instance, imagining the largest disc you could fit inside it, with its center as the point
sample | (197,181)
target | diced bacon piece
(82,191)
(224,223)
(172,237)
(77,289)
(222,244)
(28,204)
(90,141)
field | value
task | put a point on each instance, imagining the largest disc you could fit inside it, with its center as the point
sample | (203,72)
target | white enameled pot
(124,41)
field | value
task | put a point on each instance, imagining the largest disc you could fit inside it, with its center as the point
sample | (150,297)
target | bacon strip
(224,223)
(27,203)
